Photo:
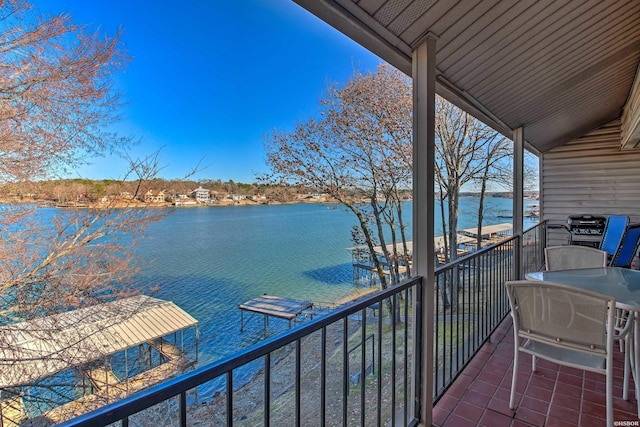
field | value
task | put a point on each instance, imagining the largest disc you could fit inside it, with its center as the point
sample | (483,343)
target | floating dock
(270,305)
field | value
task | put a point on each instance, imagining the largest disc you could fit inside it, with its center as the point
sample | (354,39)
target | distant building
(149,197)
(201,194)
(237,197)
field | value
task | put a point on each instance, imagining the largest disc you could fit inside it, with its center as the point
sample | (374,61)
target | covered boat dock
(84,340)
(363,268)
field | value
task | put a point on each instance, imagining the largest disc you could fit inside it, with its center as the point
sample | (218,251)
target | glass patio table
(622,284)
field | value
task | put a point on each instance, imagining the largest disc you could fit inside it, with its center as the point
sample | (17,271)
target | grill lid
(586,224)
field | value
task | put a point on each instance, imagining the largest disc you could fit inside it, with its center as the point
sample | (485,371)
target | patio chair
(566,325)
(569,257)
(628,248)
(572,257)
(613,232)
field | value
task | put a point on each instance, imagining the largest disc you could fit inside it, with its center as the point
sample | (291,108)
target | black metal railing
(534,240)
(470,302)
(355,365)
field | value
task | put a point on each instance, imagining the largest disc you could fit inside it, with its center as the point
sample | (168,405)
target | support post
(424,92)
(518,196)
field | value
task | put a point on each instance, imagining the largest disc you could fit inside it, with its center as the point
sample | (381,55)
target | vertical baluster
(345,369)
(230,399)
(323,378)
(363,364)
(298,379)
(267,389)
(379,371)
(418,317)
(183,409)
(436,343)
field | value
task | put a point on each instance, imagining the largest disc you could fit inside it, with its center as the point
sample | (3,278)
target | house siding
(631,117)
(590,175)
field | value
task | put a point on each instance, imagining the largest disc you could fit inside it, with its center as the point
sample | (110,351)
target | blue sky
(211,78)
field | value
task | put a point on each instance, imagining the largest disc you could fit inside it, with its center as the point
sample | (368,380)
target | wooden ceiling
(558,68)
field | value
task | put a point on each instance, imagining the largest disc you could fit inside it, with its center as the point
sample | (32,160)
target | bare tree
(56,99)
(463,148)
(495,168)
(358,152)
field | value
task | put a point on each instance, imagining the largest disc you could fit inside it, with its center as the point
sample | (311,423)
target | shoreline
(120,204)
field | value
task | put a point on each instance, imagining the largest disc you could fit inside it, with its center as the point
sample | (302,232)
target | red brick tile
(568,390)
(501,406)
(571,371)
(477,398)
(539,393)
(468,411)
(457,421)
(595,410)
(458,388)
(593,396)
(489,376)
(563,413)
(502,393)
(447,402)
(572,402)
(440,416)
(473,371)
(621,405)
(483,387)
(543,365)
(587,420)
(594,376)
(557,422)
(492,419)
(531,417)
(540,406)
(543,382)
(570,379)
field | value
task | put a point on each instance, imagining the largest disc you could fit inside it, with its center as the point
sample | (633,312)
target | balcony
(357,365)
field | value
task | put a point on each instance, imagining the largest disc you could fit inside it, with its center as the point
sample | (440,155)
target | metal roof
(558,68)
(33,350)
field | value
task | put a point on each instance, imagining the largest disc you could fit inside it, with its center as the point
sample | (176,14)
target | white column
(518,192)
(424,91)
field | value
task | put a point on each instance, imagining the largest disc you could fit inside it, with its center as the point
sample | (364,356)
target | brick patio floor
(551,397)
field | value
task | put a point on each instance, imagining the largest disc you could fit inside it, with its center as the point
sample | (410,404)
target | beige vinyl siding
(590,175)
(631,117)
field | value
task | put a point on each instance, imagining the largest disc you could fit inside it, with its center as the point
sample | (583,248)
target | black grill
(585,229)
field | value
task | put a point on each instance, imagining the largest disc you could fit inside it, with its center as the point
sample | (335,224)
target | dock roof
(488,231)
(468,235)
(30,351)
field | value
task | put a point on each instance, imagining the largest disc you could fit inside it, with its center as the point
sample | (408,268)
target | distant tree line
(65,190)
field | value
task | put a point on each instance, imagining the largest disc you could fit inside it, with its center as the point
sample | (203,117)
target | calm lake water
(209,260)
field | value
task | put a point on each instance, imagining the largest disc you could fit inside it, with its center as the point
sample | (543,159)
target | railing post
(518,196)
(424,93)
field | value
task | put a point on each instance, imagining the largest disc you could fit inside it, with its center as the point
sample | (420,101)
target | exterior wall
(631,117)
(590,175)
